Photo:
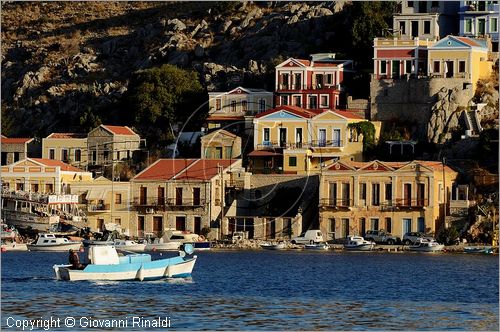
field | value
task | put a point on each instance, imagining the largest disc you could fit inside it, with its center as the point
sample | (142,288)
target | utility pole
(444,194)
(220,170)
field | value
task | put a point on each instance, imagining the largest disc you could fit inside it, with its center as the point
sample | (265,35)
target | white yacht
(129,245)
(358,243)
(49,242)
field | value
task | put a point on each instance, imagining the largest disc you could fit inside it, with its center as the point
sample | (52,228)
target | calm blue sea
(265,290)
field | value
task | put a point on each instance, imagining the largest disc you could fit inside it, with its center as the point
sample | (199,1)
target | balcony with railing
(98,207)
(404,204)
(282,87)
(301,145)
(170,203)
(336,203)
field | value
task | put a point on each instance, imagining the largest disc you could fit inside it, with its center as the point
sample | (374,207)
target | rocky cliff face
(59,59)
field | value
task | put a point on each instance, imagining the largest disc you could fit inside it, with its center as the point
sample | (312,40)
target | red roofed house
(106,144)
(290,139)
(70,148)
(312,84)
(181,194)
(15,149)
(398,197)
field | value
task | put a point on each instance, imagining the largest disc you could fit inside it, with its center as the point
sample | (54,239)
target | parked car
(381,236)
(309,237)
(411,237)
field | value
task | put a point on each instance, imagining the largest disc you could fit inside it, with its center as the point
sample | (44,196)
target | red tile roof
(67,135)
(292,109)
(224,118)
(164,169)
(325,64)
(12,140)
(119,130)
(468,41)
(304,62)
(348,114)
(57,163)
(203,169)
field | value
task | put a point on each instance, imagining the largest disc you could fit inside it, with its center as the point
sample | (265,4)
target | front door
(180,223)
(449,68)
(298,137)
(322,137)
(282,137)
(420,224)
(336,137)
(407,194)
(157,225)
(395,69)
(362,226)
(406,225)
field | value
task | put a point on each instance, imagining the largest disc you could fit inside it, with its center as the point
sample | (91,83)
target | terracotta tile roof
(164,169)
(12,140)
(325,64)
(119,130)
(57,163)
(292,109)
(468,41)
(224,118)
(304,62)
(348,114)
(203,169)
(67,135)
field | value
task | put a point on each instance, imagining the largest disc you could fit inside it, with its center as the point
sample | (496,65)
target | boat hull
(55,247)
(166,246)
(14,247)
(135,247)
(478,250)
(316,247)
(273,247)
(360,247)
(437,248)
(158,270)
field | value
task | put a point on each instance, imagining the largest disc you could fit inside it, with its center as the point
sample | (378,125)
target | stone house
(181,194)
(220,144)
(15,149)
(70,148)
(398,197)
(107,144)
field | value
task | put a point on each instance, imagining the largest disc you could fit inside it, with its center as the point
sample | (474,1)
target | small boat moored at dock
(425,245)
(48,242)
(14,246)
(129,245)
(478,250)
(273,246)
(318,246)
(106,264)
(358,243)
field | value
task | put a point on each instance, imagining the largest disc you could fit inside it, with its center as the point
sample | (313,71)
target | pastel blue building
(480,19)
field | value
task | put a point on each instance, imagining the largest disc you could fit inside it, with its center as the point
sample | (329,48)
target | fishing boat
(129,245)
(48,242)
(38,211)
(478,250)
(13,246)
(318,246)
(426,245)
(198,241)
(358,243)
(160,245)
(104,263)
(273,246)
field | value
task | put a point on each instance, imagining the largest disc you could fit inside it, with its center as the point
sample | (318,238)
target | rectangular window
(329,79)
(407,194)
(262,105)
(284,100)
(196,196)
(244,105)
(197,225)
(388,191)
(158,225)
(313,102)
(298,81)
(333,193)
(435,4)
(106,154)
(284,81)
(493,24)
(292,161)
(118,198)
(481,26)
(402,27)
(78,155)
(218,104)
(374,224)
(52,154)
(161,195)
(388,225)
(118,221)
(414,29)
(319,81)
(49,188)
(332,229)
(427,27)
(118,155)
(383,67)
(16,156)
(362,193)
(461,66)
(345,227)
(64,155)
(408,66)
(346,194)
(233,106)
(420,194)
(143,195)
(297,101)
(410,4)
(178,196)
(267,135)
(468,25)
(437,67)
(324,101)
(140,223)
(375,194)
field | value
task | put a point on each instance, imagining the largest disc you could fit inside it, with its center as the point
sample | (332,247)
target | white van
(309,237)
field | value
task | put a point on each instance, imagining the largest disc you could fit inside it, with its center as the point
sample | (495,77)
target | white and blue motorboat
(106,264)
(478,250)
(317,246)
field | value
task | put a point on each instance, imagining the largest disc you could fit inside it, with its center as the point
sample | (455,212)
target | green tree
(160,96)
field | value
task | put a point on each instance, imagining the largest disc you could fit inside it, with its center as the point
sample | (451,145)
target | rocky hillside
(60,59)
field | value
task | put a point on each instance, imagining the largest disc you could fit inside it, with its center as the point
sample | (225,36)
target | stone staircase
(472,122)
